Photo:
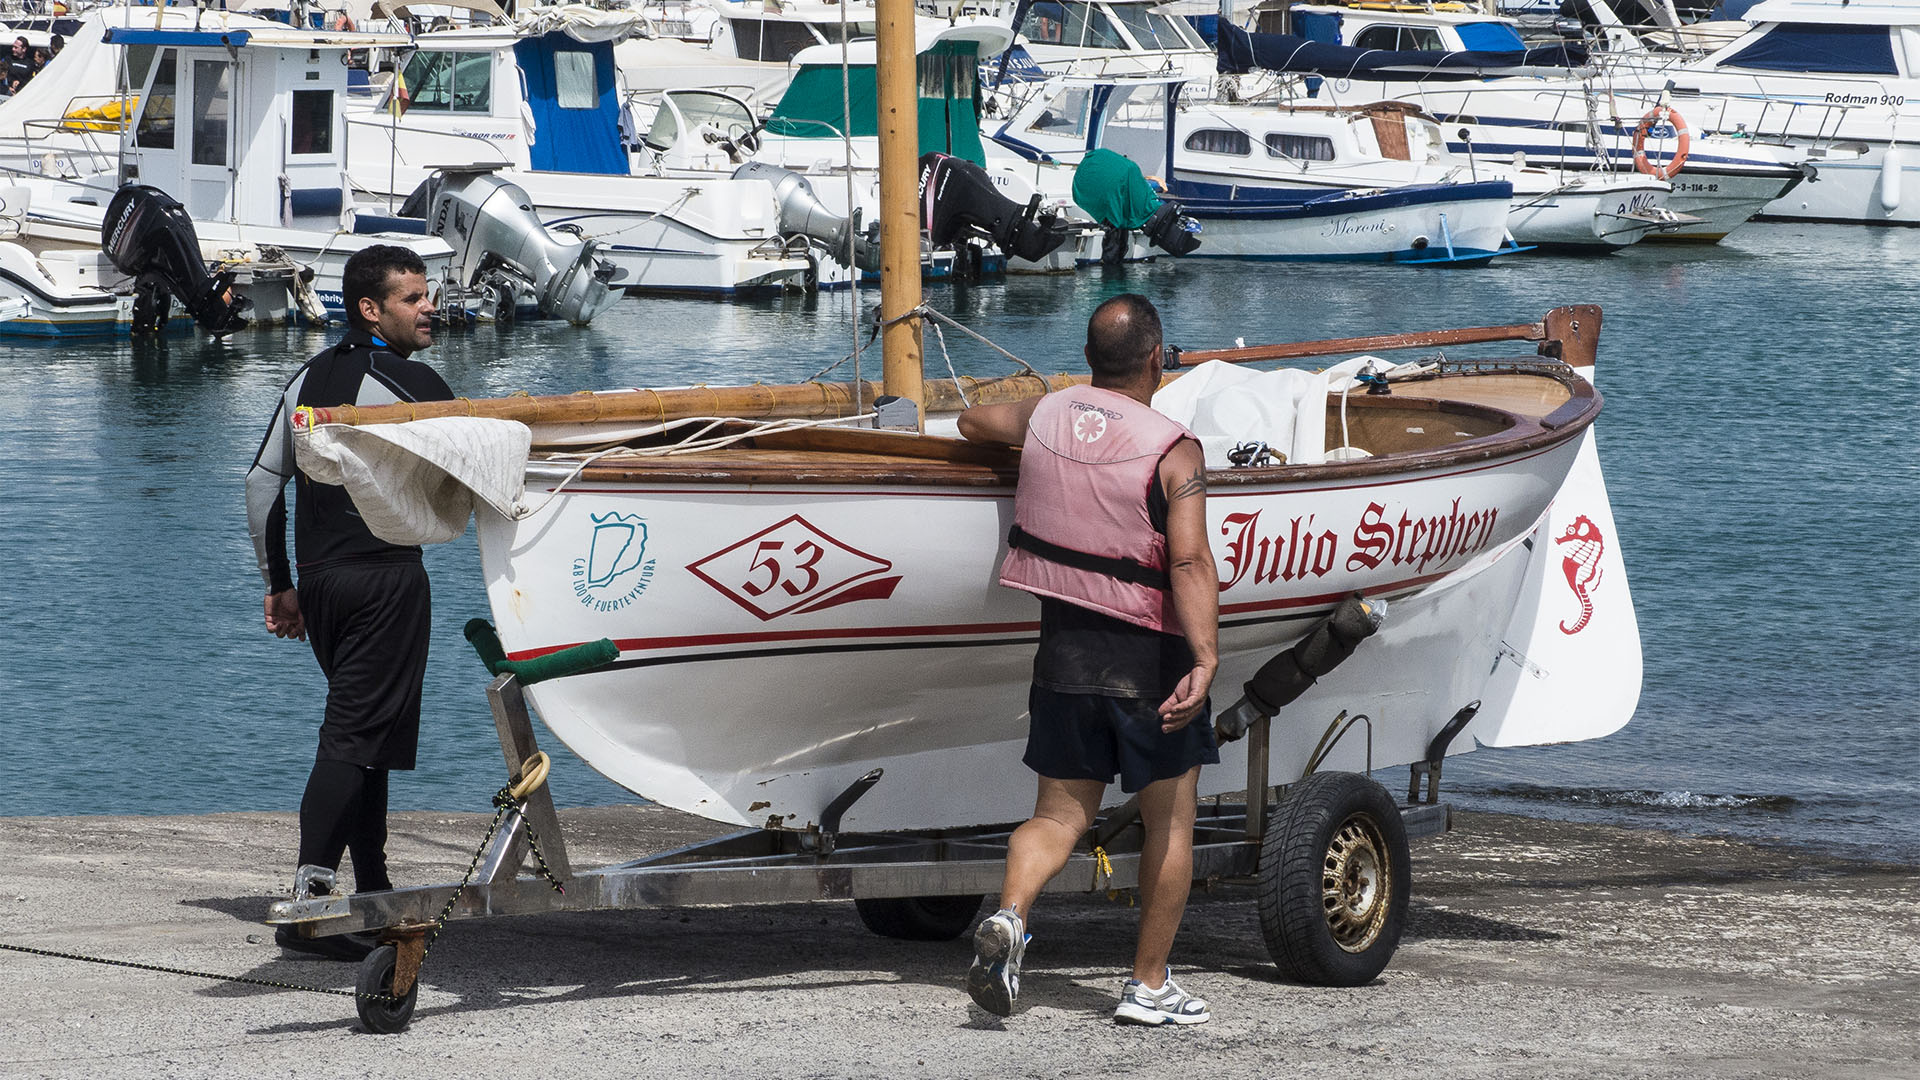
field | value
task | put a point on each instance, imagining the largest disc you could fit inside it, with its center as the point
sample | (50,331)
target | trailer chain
(503,801)
(249,980)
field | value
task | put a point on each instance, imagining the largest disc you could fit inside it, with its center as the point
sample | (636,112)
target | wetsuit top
(360,370)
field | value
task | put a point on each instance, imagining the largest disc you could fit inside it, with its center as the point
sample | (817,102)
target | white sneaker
(1167,1005)
(999,943)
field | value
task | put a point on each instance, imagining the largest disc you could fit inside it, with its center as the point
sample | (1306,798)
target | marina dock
(1534,949)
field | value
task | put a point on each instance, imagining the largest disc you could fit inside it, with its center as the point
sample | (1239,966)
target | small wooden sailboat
(797,600)
(796,606)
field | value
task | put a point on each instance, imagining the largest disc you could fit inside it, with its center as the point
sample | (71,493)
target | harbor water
(1759,441)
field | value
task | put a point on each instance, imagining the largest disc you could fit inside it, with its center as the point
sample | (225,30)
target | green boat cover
(1111,189)
(949,120)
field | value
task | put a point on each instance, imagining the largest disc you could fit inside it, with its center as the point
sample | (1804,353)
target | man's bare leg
(1062,813)
(1166,871)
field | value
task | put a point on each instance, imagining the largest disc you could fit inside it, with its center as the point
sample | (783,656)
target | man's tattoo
(1192,485)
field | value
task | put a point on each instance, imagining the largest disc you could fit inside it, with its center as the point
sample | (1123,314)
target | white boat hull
(778,642)
(1425,231)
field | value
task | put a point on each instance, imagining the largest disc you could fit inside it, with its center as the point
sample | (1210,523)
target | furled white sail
(418,482)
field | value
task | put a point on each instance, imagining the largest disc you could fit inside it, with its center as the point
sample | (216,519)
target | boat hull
(1420,224)
(778,642)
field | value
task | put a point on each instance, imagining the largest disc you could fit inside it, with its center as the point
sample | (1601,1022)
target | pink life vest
(1080,527)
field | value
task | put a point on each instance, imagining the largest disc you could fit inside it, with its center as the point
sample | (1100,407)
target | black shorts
(369,624)
(1095,737)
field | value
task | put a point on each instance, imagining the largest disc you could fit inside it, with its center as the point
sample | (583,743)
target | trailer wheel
(1334,880)
(919,918)
(382,1015)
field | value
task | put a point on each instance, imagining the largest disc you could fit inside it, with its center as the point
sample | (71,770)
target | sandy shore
(1535,949)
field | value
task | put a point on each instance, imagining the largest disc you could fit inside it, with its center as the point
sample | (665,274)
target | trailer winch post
(515,725)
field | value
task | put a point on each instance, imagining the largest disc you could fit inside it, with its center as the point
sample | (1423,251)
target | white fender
(1890,168)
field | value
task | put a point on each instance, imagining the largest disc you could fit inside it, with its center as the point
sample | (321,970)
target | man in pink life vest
(1109,530)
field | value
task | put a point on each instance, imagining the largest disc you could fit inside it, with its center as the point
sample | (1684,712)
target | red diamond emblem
(793,567)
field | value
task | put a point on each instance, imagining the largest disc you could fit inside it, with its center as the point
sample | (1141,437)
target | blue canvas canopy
(575,103)
(1239,52)
(1854,50)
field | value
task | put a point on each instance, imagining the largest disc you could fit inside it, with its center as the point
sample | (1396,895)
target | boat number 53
(793,566)
(802,575)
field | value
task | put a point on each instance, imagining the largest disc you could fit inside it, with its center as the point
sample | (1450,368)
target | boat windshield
(1825,47)
(448,81)
(1051,22)
(1152,30)
(696,107)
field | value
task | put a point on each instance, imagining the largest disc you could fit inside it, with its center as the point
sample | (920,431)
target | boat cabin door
(183,136)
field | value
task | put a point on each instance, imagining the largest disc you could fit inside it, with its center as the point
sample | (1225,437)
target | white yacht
(545,110)
(1378,147)
(1270,206)
(1834,84)
(743,47)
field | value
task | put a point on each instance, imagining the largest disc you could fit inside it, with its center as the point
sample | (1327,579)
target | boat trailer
(1327,855)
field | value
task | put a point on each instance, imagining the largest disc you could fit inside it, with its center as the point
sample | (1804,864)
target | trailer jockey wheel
(383,1015)
(1334,880)
(919,918)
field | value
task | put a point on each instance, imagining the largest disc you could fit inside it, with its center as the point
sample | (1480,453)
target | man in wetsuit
(362,603)
(1110,532)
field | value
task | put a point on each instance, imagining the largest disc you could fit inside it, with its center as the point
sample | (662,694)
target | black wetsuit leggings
(345,809)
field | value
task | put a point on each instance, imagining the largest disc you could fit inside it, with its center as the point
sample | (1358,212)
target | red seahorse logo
(1582,565)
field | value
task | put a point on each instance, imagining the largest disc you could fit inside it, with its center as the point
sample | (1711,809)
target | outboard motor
(500,245)
(803,214)
(150,239)
(1114,192)
(957,198)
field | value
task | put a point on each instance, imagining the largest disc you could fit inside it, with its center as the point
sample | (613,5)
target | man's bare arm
(1196,583)
(1005,424)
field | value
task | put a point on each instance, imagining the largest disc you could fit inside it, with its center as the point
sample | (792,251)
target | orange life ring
(1661,114)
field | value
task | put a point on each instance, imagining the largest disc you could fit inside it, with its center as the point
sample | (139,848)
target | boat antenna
(898,86)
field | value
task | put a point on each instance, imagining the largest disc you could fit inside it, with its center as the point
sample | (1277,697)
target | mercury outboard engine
(957,198)
(501,246)
(803,214)
(150,239)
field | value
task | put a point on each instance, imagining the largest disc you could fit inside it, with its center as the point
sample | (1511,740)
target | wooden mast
(899,107)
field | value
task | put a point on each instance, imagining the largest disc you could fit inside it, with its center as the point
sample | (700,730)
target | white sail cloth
(1226,405)
(418,482)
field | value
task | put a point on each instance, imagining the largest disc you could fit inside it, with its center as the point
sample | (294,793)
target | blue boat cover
(1239,52)
(1859,50)
(583,134)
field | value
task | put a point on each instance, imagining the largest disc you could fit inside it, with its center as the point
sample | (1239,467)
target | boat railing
(833,132)
(391,139)
(83,141)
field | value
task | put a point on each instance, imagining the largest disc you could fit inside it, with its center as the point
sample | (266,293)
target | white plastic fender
(1890,168)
